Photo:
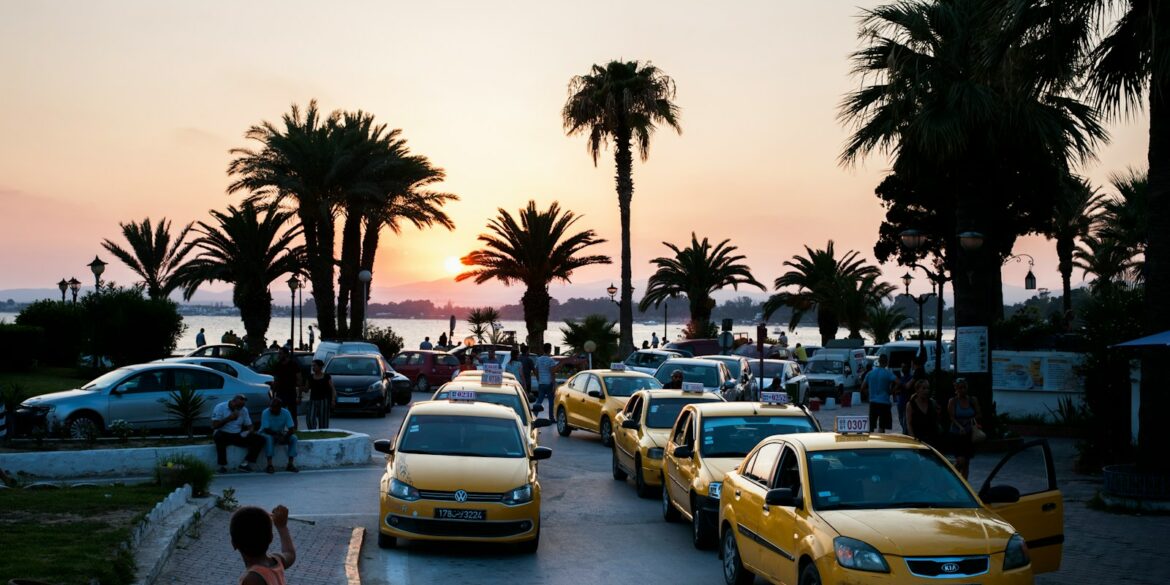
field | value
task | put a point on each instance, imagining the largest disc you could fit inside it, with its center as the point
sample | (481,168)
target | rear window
(627,385)
(736,436)
(664,411)
(510,400)
(353,366)
(707,375)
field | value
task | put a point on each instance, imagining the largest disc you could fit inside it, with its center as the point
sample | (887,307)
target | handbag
(977,435)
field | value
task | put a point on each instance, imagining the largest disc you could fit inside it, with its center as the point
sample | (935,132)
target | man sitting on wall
(232,426)
(278,428)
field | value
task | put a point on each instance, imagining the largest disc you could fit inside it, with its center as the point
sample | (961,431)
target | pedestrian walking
(426,344)
(654,340)
(546,368)
(879,382)
(801,354)
(286,380)
(922,415)
(232,425)
(322,397)
(529,369)
(311,338)
(278,428)
(964,413)
(200,338)
(443,340)
(251,534)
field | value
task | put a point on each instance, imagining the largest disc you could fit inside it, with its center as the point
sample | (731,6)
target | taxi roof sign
(692,387)
(774,398)
(852,425)
(617,366)
(492,378)
(461,395)
(492,367)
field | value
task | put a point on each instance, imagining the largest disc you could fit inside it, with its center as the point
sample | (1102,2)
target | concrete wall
(318,454)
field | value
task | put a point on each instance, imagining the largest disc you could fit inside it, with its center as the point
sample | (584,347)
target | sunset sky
(116,111)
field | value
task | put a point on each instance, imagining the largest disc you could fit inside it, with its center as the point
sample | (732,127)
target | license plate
(348,399)
(451,514)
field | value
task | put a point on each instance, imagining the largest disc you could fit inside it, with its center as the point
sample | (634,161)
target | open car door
(1039,513)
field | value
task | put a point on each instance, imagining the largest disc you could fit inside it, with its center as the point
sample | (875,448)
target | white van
(831,372)
(900,352)
(328,349)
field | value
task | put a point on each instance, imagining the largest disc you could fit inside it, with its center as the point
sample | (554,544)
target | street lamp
(971,241)
(293,285)
(97,267)
(365,276)
(914,239)
(64,284)
(612,290)
(1029,279)
(74,286)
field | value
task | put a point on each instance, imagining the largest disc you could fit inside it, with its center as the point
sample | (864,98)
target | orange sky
(120,110)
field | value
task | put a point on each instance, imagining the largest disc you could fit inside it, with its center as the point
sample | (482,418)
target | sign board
(617,367)
(492,367)
(692,387)
(492,378)
(1036,370)
(775,397)
(852,424)
(461,395)
(971,351)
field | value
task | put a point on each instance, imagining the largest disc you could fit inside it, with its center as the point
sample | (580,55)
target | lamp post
(365,276)
(612,290)
(293,285)
(97,267)
(919,300)
(1029,279)
(64,284)
(74,286)
(914,239)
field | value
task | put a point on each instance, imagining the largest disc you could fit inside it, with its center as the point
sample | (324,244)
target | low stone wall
(355,449)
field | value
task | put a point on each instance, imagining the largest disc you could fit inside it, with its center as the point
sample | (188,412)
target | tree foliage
(599,330)
(153,254)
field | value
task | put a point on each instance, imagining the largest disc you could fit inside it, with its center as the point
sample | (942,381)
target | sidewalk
(208,557)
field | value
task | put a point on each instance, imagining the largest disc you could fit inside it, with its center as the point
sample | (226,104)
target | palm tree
(858,297)
(696,271)
(1076,209)
(534,250)
(1125,217)
(820,279)
(883,321)
(249,249)
(484,322)
(1108,260)
(622,103)
(595,328)
(154,254)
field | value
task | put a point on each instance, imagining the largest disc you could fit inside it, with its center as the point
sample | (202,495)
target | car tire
(702,530)
(619,474)
(387,541)
(669,512)
(644,491)
(402,400)
(529,547)
(606,429)
(810,575)
(734,572)
(422,384)
(563,428)
(83,426)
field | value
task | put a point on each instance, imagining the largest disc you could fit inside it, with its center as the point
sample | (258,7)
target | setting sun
(452,265)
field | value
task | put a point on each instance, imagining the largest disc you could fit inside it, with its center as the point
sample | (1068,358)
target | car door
(750,509)
(139,399)
(778,533)
(1039,513)
(404,364)
(444,366)
(210,386)
(574,391)
(679,471)
(625,441)
(590,410)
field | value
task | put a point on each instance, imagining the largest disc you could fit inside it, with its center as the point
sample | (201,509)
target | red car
(426,368)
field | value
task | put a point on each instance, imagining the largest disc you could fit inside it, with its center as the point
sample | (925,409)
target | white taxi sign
(492,378)
(492,367)
(692,387)
(461,395)
(617,366)
(774,398)
(847,425)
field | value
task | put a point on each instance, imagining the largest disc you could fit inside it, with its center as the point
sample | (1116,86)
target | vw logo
(461,496)
(946,568)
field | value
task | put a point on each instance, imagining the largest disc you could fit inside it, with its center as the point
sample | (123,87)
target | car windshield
(651,360)
(106,379)
(627,385)
(825,367)
(352,366)
(510,400)
(463,436)
(733,366)
(707,375)
(770,368)
(736,436)
(664,411)
(861,479)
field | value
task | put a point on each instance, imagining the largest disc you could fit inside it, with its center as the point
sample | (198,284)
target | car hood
(449,473)
(717,467)
(616,403)
(657,437)
(924,532)
(55,397)
(353,381)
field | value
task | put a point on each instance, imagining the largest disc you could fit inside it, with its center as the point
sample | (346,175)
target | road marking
(353,555)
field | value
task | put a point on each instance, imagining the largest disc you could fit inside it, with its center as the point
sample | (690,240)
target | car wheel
(702,531)
(529,546)
(734,572)
(606,429)
(422,385)
(387,541)
(563,428)
(669,512)
(618,473)
(810,576)
(403,400)
(83,426)
(644,491)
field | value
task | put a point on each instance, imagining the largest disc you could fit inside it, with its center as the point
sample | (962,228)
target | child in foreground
(251,532)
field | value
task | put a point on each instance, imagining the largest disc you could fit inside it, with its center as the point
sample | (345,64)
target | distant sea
(414,330)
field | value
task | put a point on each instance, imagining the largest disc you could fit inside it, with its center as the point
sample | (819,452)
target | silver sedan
(230,367)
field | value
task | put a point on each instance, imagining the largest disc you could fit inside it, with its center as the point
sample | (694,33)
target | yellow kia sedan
(510,395)
(814,508)
(591,400)
(460,470)
(641,430)
(708,440)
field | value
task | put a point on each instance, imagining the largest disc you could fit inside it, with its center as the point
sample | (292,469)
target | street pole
(365,309)
(665,313)
(292,316)
(301,316)
(938,318)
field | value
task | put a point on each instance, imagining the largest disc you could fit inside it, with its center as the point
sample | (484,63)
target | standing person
(546,368)
(645,344)
(232,425)
(322,397)
(515,365)
(311,338)
(529,368)
(226,337)
(783,341)
(277,428)
(800,353)
(251,533)
(426,344)
(200,338)
(964,412)
(879,382)
(286,380)
(922,415)
(443,339)
(905,388)
(654,339)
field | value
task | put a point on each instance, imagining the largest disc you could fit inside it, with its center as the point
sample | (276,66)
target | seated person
(278,428)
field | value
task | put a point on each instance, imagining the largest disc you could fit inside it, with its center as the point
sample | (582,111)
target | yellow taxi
(708,440)
(460,470)
(512,396)
(864,509)
(590,400)
(641,430)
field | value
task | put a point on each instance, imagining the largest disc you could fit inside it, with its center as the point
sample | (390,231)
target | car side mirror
(780,497)
(540,423)
(1000,494)
(630,423)
(541,453)
(729,385)
(594,393)
(384,446)
(683,452)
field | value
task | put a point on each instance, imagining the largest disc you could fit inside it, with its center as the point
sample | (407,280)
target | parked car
(427,368)
(900,352)
(230,367)
(833,371)
(696,346)
(267,362)
(648,360)
(790,373)
(221,350)
(366,382)
(738,366)
(327,349)
(714,376)
(136,394)
(460,352)
(772,351)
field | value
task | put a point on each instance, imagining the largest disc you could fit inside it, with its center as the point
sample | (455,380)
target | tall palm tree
(533,249)
(595,328)
(250,249)
(820,279)
(1125,217)
(697,271)
(1108,260)
(858,297)
(1076,208)
(153,255)
(622,103)
(883,321)
(484,322)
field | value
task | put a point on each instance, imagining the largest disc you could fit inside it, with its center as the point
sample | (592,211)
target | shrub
(184,405)
(595,328)
(175,471)
(128,328)
(388,342)
(63,331)
(19,346)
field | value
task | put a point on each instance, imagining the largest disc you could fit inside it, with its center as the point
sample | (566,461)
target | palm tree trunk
(357,311)
(827,324)
(1064,256)
(319,251)
(536,307)
(1155,401)
(977,283)
(255,305)
(347,278)
(624,159)
(700,307)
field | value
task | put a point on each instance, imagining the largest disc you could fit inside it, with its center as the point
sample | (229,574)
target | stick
(309,522)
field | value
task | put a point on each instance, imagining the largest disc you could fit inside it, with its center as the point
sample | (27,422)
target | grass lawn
(71,536)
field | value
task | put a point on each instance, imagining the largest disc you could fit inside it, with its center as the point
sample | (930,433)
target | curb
(156,546)
(352,557)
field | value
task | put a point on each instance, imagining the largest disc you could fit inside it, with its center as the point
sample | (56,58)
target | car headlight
(375,387)
(402,491)
(854,554)
(654,453)
(520,495)
(715,489)
(1016,553)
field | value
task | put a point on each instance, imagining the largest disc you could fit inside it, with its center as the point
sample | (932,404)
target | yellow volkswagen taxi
(641,430)
(862,509)
(510,395)
(460,470)
(591,400)
(708,440)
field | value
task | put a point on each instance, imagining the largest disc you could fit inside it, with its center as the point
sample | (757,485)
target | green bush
(63,331)
(388,342)
(175,471)
(184,405)
(128,328)
(19,346)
